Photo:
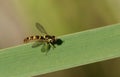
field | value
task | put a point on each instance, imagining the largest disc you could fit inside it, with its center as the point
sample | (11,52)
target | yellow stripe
(34,37)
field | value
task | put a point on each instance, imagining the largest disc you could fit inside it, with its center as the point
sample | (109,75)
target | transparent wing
(37,43)
(40,28)
(45,48)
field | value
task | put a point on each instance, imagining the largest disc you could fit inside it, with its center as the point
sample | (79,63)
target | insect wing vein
(37,43)
(40,28)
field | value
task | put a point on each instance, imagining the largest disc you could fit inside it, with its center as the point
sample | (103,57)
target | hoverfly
(47,41)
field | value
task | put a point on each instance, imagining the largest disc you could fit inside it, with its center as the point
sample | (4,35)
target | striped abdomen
(31,38)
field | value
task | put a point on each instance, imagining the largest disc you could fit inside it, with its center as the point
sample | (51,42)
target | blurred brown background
(59,17)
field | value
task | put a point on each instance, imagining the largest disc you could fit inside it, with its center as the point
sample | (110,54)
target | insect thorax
(50,38)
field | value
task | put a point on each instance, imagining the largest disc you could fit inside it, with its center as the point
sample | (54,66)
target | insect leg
(52,45)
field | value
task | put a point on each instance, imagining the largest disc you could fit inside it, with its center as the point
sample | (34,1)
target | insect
(47,41)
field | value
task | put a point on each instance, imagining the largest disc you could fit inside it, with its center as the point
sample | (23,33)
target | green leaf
(77,49)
